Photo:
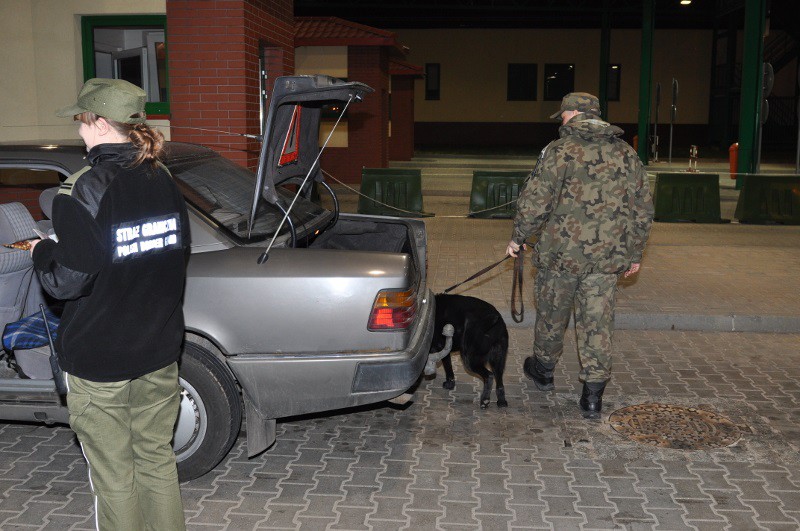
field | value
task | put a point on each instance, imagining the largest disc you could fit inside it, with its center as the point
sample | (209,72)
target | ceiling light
(686,2)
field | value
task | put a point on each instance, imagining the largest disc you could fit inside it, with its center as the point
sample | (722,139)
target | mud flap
(260,431)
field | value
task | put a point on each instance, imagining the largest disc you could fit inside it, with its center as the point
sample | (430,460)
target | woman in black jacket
(119,263)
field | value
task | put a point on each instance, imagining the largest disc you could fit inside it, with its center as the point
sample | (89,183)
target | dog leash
(516,285)
(476,275)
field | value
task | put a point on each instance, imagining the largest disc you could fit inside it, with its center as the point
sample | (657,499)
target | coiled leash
(516,285)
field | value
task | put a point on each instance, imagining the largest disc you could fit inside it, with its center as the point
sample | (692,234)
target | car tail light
(393,310)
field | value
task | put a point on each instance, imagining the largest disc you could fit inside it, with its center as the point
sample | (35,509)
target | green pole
(729,135)
(755,14)
(646,75)
(605,47)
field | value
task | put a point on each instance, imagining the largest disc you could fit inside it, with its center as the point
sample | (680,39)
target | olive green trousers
(592,297)
(125,431)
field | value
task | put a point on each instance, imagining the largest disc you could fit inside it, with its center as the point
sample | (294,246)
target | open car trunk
(365,235)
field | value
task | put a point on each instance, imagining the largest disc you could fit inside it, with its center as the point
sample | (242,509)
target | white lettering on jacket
(127,234)
(146,237)
(159,227)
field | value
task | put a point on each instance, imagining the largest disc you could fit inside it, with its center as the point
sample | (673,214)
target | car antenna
(265,255)
(232,133)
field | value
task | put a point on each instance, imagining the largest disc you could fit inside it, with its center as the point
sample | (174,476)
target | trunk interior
(365,235)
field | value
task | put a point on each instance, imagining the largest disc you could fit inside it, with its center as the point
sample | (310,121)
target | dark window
(521,82)
(432,81)
(559,80)
(130,47)
(612,87)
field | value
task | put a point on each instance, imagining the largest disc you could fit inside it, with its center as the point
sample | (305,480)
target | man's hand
(632,271)
(513,249)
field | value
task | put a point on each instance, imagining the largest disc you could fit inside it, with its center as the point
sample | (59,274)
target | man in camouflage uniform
(588,204)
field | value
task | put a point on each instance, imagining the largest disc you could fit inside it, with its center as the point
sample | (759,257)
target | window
(612,84)
(559,80)
(521,82)
(133,48)
(432,81)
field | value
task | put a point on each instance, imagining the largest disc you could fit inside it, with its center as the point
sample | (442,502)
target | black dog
(481,337)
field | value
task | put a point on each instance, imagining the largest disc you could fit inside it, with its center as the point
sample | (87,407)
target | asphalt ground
(707,326)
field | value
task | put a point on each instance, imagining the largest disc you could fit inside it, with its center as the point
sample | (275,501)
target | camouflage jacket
(588,203)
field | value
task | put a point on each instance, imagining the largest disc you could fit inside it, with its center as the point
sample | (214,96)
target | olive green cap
(579,101)
(115,99)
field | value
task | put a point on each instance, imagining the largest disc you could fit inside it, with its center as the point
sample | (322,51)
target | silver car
(336,314)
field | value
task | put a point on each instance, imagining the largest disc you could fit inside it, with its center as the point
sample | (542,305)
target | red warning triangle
(291,144)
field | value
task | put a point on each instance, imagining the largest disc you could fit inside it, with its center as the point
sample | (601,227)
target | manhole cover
(668,426)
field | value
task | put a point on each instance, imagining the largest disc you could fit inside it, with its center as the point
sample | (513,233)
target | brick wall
(214,50)
(21,185)
(368,121)
(401,143)
(27,195)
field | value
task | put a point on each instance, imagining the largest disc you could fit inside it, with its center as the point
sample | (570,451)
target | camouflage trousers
(592,296)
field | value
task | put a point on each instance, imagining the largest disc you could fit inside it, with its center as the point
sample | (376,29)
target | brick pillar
(214,50)
(367,121)
(401,143)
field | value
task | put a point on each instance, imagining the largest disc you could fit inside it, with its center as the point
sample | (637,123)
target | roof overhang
(334,31)
(402,68)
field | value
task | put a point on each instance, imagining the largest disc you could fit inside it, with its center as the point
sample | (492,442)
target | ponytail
(148,141)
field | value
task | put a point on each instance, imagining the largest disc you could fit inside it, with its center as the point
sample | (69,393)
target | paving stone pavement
(443,463)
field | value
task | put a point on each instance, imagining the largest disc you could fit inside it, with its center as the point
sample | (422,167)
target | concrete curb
(780,324)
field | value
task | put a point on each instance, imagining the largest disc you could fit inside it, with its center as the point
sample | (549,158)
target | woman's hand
(33,244)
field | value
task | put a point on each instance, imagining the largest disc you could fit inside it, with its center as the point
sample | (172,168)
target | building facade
(208,67)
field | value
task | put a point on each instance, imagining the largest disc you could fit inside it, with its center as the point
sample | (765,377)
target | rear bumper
(282,385)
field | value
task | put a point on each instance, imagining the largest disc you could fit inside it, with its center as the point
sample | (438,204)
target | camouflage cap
(115,99)
(579,101)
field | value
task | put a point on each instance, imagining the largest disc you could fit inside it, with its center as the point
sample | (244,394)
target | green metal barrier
(400,191)
(769,199)
(687,197)
(494,193)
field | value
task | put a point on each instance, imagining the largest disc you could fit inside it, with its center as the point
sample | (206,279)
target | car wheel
(210,412)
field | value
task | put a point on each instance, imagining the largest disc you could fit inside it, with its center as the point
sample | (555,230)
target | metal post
(730,135)
(262,91)
(752,70)
(673,114)
(646,74)
(655,123)
(605,47)
(757,162)
(767,80)
(797,155)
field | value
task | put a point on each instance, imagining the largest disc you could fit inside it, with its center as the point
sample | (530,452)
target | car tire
(210,414)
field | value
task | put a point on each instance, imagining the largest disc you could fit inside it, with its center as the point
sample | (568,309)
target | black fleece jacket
(120,263)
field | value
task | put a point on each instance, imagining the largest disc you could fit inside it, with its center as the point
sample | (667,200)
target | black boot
(592,399)
(541,374)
